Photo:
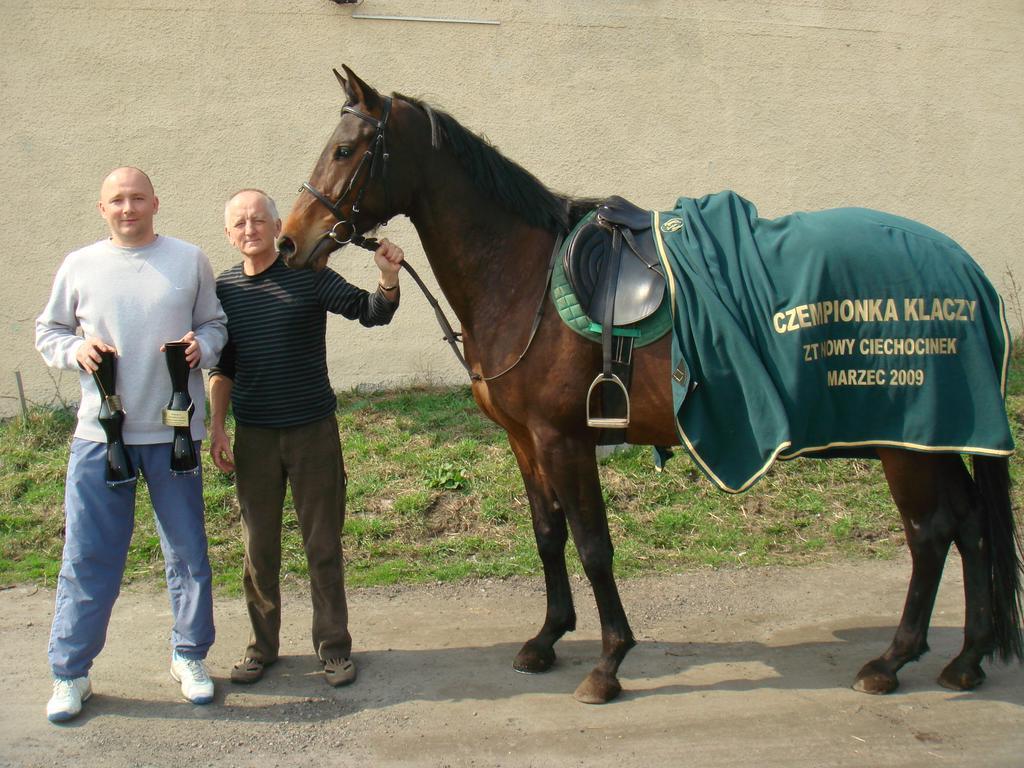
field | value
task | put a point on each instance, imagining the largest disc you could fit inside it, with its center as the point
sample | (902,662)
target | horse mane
(512,186)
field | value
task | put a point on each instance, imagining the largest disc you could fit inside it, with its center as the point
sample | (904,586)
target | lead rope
(371,244)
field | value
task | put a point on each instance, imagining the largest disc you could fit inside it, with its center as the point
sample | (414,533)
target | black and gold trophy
(178,413)
(111,417)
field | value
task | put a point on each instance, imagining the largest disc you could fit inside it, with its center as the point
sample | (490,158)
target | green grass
(435,495)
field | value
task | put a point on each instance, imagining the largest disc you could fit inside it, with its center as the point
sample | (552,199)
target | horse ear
(341,80)
(356,89)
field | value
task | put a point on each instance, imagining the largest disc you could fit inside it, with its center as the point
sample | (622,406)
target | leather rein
(376,157)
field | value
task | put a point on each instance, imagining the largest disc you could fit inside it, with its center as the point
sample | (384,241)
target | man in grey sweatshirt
(130,294)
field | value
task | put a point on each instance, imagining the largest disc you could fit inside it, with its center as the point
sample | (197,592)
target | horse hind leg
(928,491)
(987,542)
(965,672)
(551,534)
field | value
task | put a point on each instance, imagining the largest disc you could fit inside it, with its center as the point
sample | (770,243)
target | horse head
(347,194)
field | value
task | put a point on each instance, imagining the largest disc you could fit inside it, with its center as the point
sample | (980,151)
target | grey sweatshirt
(134,299)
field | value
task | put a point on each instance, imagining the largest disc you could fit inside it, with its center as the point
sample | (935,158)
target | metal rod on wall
(425,18)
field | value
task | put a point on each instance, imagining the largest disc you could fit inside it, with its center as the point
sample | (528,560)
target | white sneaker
(67,698)
(196,685)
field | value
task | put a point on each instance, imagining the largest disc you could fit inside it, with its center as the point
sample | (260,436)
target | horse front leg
(551,534)
(918,484)
(572,468)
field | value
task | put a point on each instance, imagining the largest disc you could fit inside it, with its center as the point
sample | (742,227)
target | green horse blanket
(825,334)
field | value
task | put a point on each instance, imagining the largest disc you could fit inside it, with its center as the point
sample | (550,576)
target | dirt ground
(733,668)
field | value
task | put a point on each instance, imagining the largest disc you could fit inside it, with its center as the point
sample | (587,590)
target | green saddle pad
(648,330)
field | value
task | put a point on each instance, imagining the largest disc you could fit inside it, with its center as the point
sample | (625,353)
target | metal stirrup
(607,379)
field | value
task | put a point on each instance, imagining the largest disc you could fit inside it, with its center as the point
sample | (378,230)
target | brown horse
(488,228)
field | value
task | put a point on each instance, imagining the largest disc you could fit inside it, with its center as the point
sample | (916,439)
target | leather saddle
(612,265)
(639,282)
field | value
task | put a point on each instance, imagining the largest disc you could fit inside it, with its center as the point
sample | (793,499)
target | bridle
(376,157)
(374,161)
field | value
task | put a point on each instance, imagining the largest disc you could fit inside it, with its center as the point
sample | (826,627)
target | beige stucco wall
(915,107)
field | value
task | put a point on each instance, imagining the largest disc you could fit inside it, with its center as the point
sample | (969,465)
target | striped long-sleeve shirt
(276,353)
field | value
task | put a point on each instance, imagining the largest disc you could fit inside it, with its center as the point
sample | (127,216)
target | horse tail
(992,477)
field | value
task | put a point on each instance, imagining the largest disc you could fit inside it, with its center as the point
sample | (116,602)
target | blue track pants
(98,530)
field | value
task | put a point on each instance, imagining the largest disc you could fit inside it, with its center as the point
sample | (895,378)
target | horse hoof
(876,680)
(534,658)
(598,688)
(957,679)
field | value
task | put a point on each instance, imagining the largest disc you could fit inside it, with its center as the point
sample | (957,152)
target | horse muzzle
(315,258)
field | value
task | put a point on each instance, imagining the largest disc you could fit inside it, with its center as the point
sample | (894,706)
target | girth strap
(612,384)
(610,282)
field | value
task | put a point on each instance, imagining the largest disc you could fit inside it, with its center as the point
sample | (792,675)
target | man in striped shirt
(273,372)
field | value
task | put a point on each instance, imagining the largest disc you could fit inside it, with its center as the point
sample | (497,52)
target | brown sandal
(247,671)
(339,672)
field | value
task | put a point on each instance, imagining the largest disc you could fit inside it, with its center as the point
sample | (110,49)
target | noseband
(375,160)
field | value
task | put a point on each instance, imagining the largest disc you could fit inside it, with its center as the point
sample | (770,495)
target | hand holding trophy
(111,417)
(178,413)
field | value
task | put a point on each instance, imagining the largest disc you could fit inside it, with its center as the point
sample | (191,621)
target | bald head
(128,204)
(127,173)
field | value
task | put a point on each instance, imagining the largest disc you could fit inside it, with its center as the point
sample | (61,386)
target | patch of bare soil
(733,668)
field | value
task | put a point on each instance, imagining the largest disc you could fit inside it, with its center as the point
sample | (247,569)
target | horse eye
(341,152)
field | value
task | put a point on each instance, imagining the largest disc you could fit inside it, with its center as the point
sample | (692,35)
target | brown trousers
(309,458)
